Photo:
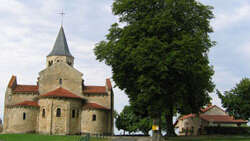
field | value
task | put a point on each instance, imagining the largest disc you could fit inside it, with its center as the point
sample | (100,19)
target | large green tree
(160,55)
(237,100)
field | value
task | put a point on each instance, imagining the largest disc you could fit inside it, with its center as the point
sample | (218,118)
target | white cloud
(224,78)
(227,19)
(244,50)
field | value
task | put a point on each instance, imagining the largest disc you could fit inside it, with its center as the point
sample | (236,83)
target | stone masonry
(60,103)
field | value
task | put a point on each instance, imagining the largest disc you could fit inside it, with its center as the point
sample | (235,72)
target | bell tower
(60,51)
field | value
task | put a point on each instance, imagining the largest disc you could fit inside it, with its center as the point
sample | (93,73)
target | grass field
(211,138)
(36,137)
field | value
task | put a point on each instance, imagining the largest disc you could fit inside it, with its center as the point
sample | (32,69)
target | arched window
(58,112)
(60,81)
(94,118)
(50,63)
(24,115)
(43,113)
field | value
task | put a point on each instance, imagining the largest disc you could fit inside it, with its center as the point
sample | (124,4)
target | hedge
(227,130)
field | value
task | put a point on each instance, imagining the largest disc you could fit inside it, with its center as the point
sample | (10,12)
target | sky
(28,30)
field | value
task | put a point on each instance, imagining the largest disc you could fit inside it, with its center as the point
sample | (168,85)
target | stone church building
(60,102)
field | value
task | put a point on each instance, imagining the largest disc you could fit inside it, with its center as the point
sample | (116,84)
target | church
(60,103)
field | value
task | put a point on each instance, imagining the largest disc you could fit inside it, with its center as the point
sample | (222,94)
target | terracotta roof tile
(94,90)
(61,92)
(27,103)
(222,119)
(207,108)
(26,88)
(108,82)
(12,80)
(187,116)
(94,106)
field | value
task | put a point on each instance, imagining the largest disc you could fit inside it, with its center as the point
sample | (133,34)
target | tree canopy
(160,55)
(128,121)
(237,100)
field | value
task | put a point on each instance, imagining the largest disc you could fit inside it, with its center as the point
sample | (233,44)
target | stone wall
(51,60)
(99,126)
(16,122)
(20,97)
(75,122)
(51,124)
(50,77)
(7,101)
(101,99)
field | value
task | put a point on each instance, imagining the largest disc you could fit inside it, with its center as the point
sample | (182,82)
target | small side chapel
(60,102)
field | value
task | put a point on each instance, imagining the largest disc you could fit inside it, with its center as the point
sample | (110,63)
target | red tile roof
(26,88)
(207,108)
(187,116)
(12,81)
(221,119)
(94,106)
(27,103)
(94,90)
(108,82)
(61,92)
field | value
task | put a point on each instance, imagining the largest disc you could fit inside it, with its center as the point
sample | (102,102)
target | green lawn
(36,137)
(211,138)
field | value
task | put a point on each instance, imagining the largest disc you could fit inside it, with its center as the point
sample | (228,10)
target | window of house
(58,112)
(24,115)
(94,118)
(43,113)
(60,81)
(73,113)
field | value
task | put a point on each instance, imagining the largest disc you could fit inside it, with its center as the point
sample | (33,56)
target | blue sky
(28,30)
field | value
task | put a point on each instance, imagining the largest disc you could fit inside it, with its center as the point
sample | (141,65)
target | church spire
(60,47)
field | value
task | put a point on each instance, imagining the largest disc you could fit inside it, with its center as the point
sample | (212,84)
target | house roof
(212,118)
(94,90)
(27,103)
(187,116)
(221,119)
(60,47)
(108,82)
(94,106)
(61,92)
(208,108)
(26,88)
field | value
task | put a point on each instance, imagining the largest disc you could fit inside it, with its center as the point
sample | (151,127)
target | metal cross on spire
(62,14)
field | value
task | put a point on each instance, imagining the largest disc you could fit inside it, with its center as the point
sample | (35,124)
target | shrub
(227,130)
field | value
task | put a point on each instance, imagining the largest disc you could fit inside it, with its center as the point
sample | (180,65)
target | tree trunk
(146,133)
(156,133)
(123,132)
(170,126)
